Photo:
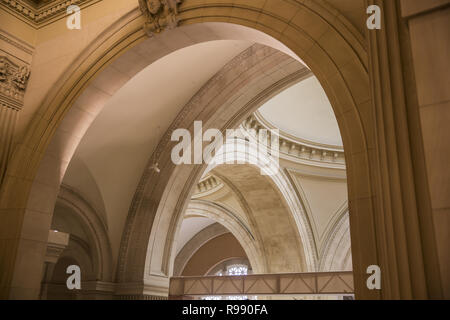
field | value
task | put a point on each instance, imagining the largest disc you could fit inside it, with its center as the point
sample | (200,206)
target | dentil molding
(40,15)
(295,149)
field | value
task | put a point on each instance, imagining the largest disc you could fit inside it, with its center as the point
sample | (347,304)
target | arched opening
(57,289)
(233,223)
(341,72)
(290,238)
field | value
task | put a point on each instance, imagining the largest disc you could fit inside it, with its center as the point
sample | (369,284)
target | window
(237,270)
(231,270)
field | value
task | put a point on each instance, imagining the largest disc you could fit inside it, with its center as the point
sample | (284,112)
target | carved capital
(159,15)
(13,82)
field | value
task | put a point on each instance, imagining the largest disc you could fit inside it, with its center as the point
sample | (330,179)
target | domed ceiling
(124,135)
(304,111)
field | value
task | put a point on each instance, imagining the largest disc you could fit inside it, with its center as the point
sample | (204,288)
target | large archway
(309,30)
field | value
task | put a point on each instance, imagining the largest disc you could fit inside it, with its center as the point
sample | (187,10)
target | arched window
(233,269)
(237,270)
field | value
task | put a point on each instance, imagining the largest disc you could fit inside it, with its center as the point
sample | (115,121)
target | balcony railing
(321,283)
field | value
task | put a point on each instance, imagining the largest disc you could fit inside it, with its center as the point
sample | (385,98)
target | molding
(425,7)
(260,118)
(208,185)
(235,225)
(156,286)
(97,286)
(153,287)
(69,197)
(143,297)
(40,16)
(337,241)
(16,42)
(196,205)
(335,175)
(295,149)
(196,242)
(337,215)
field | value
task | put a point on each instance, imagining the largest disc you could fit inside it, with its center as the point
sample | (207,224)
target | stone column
(406,248)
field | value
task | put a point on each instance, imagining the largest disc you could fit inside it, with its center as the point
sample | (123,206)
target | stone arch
(271,209)
(238,89)
(196,242)
(160,251)
(239,230)
(276,184)
(97,230)
(336,253)
(312,30)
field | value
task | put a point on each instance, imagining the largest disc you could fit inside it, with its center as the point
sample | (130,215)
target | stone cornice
(259,117)
(38,16)
(206,186)
(295,149)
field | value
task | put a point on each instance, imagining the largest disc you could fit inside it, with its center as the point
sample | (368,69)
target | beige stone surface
(393,129)
(430,47)
(212,253)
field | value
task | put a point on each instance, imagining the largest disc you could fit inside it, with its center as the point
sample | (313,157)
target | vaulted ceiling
(124,135)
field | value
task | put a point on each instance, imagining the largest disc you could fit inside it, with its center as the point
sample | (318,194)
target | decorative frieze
(159,15)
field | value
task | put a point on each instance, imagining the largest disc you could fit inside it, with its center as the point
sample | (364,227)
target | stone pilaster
(404,231)
(15,59)
(429,25)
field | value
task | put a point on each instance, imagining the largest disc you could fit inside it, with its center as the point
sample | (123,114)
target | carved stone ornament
(4,68)
(13,79)
(159,15)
